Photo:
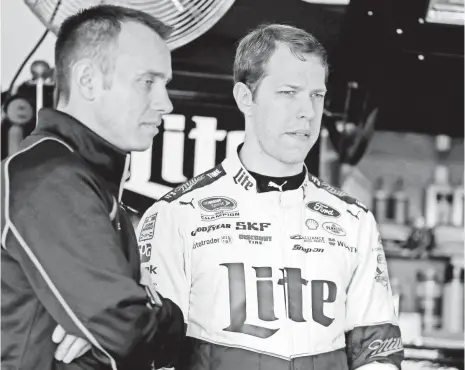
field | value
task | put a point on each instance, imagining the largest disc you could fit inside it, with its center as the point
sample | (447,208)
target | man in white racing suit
(273,268)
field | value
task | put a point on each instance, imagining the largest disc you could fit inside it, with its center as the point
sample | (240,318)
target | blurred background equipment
(189,19)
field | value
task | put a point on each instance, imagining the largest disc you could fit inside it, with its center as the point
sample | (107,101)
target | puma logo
(272,184)
(187,203)
(356,216)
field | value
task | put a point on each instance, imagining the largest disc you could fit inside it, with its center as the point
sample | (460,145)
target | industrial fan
(189,18)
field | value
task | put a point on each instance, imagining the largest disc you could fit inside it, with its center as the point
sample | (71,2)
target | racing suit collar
(106,159)
(243,178)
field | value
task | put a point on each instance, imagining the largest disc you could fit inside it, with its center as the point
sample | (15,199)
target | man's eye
(288,92)
(149,82)
(318,96)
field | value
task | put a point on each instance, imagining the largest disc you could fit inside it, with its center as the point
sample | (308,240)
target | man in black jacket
(69,253)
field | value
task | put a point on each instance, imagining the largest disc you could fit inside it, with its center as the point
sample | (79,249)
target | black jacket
(70,256)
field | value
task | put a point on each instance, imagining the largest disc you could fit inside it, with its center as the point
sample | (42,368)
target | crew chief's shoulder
(44,166)
(338,193)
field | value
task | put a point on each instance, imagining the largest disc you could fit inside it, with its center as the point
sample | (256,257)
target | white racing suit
(276,280)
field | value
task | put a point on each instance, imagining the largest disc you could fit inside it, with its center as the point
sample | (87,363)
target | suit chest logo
(323,209)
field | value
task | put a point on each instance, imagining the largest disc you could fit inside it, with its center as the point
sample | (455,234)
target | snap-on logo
(214,204)
(323,209)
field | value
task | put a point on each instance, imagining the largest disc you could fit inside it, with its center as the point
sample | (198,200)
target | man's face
(131,110)
(286,114)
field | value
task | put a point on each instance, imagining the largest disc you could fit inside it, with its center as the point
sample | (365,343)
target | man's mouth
(299,134)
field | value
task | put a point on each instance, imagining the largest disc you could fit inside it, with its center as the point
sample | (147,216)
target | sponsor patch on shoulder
(199,181)
(337,192)
(148,228)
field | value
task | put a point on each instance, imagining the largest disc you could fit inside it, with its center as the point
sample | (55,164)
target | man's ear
(87,79)
(243,97)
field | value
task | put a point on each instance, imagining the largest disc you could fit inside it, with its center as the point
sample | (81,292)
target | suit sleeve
(163,257)
(372,332)
(63,239)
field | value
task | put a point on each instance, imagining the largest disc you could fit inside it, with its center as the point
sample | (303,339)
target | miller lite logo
(385,347)
(242,178)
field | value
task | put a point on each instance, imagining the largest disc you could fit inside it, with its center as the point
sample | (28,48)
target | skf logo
(323,209)
(242,178)
(145,251)
(253,226)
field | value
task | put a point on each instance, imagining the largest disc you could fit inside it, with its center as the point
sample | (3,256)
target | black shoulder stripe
(197,182)
(336,192)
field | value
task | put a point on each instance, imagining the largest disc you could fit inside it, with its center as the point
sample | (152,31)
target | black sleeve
(62,237)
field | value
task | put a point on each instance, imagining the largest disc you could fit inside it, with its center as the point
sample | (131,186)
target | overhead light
(370,13)
(421,57)
(421,20)
(399,31)
(446,12)
(328,2)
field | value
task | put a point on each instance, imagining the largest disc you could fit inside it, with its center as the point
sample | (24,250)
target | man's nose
(306,108)
(161,102)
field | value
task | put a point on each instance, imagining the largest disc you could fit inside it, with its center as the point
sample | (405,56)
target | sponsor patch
(218,215)
(255,239)
(215,204)
(191,203)
(199,181)
(308,239)
(386,347)
(298,247)
(206,242)
(145,252)
(311,224)
(337,192)
(226,239)
(242,178)
(381,259)
(381,277)
(354,214)
(323,209)
(148,228)
(253,226)
(333,228)
(209,228)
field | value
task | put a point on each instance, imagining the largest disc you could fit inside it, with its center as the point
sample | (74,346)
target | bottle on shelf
(458,208)
(399,203)
(439,196)
(396,288)
(452,305)
(428,297)
(380,201)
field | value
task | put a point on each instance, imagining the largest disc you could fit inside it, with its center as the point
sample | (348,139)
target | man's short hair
(93,33)
(256,48)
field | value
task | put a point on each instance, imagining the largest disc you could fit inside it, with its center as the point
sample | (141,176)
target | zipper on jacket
(124,176)
(285,281)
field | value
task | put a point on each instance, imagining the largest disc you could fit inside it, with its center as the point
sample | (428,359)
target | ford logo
(323,209)
(214,204)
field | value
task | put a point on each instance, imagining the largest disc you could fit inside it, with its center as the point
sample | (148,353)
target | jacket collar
(242,177)
(106,159)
